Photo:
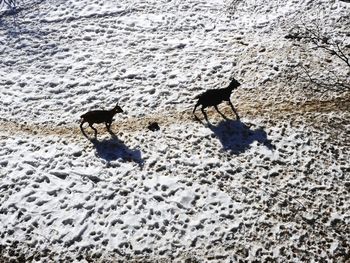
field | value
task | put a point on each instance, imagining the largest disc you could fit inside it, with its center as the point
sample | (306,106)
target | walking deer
(100,116)
(214,97)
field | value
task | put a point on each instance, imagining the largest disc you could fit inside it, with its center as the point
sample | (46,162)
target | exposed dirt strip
(131,124)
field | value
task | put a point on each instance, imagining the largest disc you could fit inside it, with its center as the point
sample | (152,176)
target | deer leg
(216,107)
(108,125)
(234,110)
(195,107)
(205,114)
(81,128)
(92,127)
(81,125)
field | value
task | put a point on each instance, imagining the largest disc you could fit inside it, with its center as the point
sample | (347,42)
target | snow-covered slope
(273,185)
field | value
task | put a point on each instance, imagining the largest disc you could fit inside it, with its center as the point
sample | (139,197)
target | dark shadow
(18,25)
(236,137)
(113,149)
(9,22)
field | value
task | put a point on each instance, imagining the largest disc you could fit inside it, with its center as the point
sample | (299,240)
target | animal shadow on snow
(112,149)
(11,21)
(237,137)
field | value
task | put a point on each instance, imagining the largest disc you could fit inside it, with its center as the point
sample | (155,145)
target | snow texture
(272,186)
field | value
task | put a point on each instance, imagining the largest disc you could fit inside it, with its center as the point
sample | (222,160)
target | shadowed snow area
(271,186)
(236,137)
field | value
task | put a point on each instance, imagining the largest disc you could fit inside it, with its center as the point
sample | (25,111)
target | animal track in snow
(177,193)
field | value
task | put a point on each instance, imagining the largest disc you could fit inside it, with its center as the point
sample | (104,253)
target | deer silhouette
(214,97)
(99,116)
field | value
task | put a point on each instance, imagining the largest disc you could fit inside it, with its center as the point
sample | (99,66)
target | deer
(99,116)
(213,97)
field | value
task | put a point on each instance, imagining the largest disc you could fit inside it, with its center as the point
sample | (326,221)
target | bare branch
(331,77)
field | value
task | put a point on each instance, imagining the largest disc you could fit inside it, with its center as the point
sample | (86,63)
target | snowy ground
(273,186)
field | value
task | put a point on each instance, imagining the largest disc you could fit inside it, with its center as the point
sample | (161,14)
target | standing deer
(214,97)
(99,116)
